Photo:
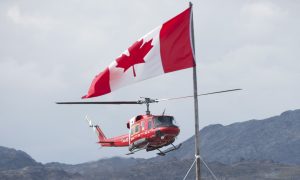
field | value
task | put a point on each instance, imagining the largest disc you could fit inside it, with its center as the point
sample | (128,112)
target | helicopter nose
(170,131)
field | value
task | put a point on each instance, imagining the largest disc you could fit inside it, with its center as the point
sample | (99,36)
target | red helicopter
(149,132)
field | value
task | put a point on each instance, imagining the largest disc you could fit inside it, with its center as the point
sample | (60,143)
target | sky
(51,50)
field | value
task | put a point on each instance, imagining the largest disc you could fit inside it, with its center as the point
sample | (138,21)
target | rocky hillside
(276,138)
(12,159)
(38,173)
(175,169)
(16,164)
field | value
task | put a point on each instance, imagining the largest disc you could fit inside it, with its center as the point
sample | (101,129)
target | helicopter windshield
(163,121)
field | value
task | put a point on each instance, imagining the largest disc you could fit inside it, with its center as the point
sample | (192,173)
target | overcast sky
(51,50)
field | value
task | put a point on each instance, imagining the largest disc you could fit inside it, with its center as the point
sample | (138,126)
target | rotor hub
(147,101)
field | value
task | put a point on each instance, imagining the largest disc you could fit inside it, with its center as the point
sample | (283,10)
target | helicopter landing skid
(136,150)
(163,153)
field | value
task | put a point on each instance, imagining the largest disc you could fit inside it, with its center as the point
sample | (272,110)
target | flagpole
(197,134)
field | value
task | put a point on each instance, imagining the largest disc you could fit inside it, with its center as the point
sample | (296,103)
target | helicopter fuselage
(148,132)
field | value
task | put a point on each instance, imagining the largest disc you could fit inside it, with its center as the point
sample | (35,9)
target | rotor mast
(147,111)
(147,101)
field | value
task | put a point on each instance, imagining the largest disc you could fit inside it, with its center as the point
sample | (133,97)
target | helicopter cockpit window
(134,129)
(149,124)
(164,121)
(137,128)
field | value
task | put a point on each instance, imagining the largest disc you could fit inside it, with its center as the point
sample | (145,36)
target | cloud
(271,65)
(16,16)
(261,17)
(261,9)
(27,78)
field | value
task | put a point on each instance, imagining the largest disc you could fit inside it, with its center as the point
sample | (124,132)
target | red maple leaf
(137,52)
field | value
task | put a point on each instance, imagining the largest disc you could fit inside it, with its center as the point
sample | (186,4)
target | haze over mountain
(255,149)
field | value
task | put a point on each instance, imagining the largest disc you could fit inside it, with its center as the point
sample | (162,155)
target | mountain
(12,159)
(103,168)
(38,173)
(256,149)
(16,164)
(276,138)
(175,169)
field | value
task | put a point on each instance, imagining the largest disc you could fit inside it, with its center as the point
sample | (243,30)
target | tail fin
(97,130)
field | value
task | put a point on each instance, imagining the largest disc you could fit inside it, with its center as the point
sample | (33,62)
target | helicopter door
(143,126)
(131,122)
(149,126)
(135,129)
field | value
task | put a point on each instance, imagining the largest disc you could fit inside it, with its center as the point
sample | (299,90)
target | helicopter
(146,132)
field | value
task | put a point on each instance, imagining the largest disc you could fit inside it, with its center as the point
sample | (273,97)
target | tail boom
(119,141)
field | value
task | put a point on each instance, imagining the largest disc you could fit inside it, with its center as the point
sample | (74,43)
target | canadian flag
(165,49)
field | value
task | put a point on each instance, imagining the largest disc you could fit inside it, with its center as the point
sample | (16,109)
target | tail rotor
(90,123)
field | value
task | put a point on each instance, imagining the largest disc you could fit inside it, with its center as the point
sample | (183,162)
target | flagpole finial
(191,4)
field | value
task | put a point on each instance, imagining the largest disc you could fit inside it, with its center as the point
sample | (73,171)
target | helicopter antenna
(164,112)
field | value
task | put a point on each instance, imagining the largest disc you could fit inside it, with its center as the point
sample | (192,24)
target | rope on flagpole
(210,171)
(187,173)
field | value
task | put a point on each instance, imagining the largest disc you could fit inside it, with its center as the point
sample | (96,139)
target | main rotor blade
(145,101)
(102,102)
(183,97)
